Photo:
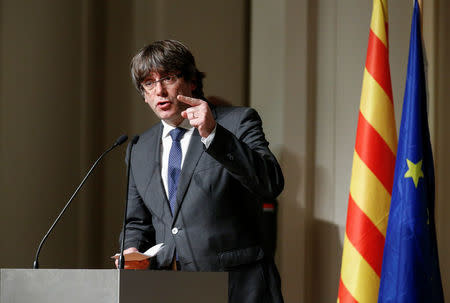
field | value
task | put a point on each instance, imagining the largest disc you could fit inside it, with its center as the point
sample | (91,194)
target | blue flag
(410,270)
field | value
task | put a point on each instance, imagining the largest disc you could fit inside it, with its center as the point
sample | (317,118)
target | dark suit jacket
(216,225)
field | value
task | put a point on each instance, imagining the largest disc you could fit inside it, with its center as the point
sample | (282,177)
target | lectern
(111,286)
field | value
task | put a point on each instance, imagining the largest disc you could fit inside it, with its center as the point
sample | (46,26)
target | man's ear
(193,85)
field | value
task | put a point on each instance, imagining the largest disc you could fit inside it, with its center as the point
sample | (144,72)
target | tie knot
(177,133)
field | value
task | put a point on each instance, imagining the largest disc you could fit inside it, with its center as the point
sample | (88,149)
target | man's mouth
(162,103)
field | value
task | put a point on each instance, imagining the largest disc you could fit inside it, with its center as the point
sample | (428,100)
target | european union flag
(410,270)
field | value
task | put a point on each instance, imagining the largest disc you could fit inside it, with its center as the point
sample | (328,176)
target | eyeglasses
(165,81)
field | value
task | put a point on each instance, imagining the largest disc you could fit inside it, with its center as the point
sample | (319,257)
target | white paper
(138,256)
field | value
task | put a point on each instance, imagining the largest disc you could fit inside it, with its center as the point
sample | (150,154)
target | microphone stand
(118,142)
(122,244)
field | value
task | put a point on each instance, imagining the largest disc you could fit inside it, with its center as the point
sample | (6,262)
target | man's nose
(160,89)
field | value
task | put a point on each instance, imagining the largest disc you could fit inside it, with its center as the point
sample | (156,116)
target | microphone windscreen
(135,140)
(121,140)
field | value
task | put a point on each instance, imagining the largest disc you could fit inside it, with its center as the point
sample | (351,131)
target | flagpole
(420,2)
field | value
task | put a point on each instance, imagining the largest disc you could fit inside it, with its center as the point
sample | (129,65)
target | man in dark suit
(198,179)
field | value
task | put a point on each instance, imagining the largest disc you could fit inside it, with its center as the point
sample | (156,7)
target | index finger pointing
(189,100)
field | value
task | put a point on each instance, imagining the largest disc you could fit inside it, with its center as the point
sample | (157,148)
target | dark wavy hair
(166,56)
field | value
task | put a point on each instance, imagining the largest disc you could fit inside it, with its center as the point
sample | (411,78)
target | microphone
(118,142)
(122,244)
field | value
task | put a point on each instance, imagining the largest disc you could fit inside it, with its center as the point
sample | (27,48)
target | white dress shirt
(184,142)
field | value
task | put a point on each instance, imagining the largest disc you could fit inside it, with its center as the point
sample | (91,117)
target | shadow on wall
(291,252)
(310,248)
(325,255)
(326,261)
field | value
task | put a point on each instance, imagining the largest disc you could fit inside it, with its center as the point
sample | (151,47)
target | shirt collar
(167,128)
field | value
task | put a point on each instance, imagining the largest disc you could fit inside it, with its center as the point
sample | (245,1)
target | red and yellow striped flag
(372,172)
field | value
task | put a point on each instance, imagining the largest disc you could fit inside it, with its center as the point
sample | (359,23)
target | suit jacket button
(230,157)
(174,231)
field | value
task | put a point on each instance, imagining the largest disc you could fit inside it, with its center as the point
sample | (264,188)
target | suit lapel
(151,152)
(193,154)
(156,187)
(195,150)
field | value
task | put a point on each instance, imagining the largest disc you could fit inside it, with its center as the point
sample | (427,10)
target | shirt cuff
(207,141)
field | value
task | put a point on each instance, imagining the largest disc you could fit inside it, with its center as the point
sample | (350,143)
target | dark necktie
(174,168)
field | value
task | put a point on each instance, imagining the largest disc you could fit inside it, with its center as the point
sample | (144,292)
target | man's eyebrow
(152,79)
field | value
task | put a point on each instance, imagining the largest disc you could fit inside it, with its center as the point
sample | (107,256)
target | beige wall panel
(278,90)
(441,147)
(267,57)
(295,203)
(40,80)
(117,92)
(91,145)
(326,247)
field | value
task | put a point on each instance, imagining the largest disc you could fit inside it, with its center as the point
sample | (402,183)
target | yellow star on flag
(414,171)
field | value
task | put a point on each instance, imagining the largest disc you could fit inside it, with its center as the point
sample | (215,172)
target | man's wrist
(208,140)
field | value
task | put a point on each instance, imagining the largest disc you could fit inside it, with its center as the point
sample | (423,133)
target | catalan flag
(410,264)
(372,172)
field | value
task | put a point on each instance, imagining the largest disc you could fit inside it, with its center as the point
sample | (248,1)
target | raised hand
(198,114)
